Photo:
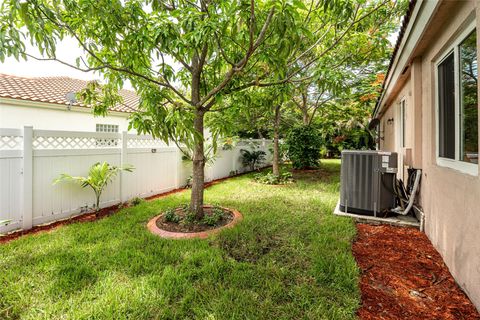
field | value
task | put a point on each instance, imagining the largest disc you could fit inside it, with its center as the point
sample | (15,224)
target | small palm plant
(99,176)
(252,158)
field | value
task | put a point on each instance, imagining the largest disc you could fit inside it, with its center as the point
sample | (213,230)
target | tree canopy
(187,58)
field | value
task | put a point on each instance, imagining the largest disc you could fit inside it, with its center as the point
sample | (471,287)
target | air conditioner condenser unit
(367,179)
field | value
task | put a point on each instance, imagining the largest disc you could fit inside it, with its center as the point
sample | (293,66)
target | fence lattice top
(44,139)
(12,139)
(10,142)
(135,141)
(73,143)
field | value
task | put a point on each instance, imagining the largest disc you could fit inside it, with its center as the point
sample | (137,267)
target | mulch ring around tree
(162,223)
(404,277)
(160,226)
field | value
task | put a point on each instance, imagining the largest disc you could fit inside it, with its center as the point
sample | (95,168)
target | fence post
(123,162)
(178,163)
(27,185)
(234,159)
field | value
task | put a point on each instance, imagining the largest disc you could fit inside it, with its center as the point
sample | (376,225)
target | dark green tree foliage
(344,127)
(303,147)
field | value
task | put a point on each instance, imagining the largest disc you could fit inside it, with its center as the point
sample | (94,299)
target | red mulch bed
(86,217)
(404,277)
(90,216)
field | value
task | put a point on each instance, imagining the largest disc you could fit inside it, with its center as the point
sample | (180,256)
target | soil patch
(249,249)
(404,277)
(226,218)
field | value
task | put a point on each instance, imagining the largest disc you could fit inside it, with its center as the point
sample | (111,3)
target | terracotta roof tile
(54,90)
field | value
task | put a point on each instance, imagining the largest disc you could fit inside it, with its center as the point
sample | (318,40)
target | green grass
(290,258)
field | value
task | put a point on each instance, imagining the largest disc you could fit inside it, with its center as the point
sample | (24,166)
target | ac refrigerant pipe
(411,199)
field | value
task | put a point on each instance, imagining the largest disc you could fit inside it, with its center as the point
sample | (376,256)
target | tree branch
(237,67)
(106,65)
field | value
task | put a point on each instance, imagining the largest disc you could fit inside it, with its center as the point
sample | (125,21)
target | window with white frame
(107,128)
(457,105)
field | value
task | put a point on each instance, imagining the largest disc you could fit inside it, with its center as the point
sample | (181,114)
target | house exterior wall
(449,197)
(17,114)
(388,130)
(392,129)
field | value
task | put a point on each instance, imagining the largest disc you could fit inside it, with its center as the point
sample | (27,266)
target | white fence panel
(52,202)
(29,166)
(155,172)
(10,188)
(11,178)
(222,166)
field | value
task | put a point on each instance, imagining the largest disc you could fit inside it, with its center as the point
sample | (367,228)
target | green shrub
(189,217)
(171,216)
(303,147)
(214,217)
(135,201)
(270,178)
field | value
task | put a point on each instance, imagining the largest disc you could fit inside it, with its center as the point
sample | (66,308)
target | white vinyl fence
(31,159)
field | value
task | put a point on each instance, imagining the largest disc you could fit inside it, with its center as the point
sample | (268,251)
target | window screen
(446,111)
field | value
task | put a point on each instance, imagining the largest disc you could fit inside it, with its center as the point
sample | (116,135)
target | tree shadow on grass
(287,246)
(70,274)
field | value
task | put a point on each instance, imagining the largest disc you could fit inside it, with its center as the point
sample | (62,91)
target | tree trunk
(97,204)
(306,120)
(198,174)
(260,135)
(304,108)
(276,125)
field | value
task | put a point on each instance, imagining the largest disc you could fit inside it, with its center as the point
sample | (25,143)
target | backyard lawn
(290,258)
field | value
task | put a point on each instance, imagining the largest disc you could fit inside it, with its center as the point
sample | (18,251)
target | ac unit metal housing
(367,178)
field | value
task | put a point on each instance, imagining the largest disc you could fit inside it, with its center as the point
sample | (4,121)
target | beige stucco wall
(391,131)
(388,131)
(450,198)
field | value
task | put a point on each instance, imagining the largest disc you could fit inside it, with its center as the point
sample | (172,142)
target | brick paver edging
(152,226)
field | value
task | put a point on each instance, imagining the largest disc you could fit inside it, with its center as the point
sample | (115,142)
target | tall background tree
(185,58)
(328,73)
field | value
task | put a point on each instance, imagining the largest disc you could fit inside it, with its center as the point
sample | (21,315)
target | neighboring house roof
(401,34)
(53,90)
